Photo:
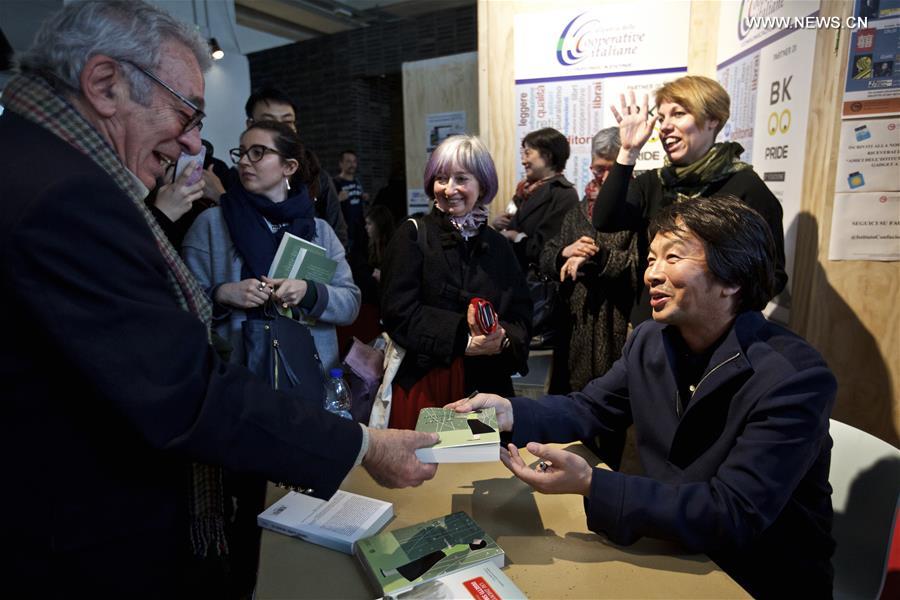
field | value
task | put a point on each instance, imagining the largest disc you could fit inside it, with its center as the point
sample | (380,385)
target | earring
(287,185)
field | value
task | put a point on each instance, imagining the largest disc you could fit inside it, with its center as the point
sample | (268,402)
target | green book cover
(464,437)
(297,258)
(403,558)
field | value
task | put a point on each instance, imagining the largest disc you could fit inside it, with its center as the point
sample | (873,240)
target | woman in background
(600,278)
(365,262)
(230,248)
(433,268)
(691,111)
(542,199)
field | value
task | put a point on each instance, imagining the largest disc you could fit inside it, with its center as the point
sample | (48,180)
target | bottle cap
(336,372)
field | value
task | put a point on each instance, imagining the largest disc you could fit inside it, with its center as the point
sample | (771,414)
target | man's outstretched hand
(391,458)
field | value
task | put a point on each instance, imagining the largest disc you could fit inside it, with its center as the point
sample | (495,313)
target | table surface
(549,551)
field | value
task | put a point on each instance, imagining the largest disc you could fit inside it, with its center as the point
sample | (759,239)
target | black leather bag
(282,351)
(544,292)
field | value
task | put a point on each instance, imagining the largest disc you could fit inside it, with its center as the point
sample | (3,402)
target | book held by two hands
(465,437)
(336,523)
(297,258)
(398,561)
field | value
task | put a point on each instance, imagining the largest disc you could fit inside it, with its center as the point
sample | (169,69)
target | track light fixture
(215,50)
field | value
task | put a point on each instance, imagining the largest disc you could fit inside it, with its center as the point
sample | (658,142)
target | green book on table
(465,437)
(401,559)
(297,258)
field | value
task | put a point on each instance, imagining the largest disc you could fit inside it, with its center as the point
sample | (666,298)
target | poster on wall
(865,226)
(440,126)
(869,156)
(872,86)
(766,66)
(571,66)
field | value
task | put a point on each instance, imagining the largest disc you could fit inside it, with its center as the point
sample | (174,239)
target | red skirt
(442,385)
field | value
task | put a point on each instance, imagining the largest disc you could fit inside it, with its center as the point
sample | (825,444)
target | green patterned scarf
(693,180)
(34,99)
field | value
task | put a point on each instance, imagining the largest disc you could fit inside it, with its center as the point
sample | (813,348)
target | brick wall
(347,86)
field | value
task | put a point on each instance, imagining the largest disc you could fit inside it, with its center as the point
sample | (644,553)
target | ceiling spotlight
(215,50)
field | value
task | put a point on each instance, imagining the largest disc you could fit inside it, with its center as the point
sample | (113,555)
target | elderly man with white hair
(118,413)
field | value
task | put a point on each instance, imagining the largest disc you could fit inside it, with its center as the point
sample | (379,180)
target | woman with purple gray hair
(432,270)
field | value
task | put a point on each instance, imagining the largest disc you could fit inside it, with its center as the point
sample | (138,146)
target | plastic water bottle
(337,394)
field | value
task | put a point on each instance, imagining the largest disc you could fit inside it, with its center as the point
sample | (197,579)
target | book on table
(465,437)
(297,258)
(336,523)
(398,560)
(485,581)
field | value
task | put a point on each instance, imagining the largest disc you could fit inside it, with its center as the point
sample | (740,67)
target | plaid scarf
(525,188)
(34,99)
(693,180)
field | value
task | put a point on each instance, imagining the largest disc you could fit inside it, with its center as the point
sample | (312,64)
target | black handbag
(282,351)
(544,292)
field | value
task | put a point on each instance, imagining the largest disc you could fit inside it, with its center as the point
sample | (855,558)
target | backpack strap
(421,232)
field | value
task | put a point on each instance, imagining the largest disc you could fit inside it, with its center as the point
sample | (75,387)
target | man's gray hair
(606,143)
(123,30)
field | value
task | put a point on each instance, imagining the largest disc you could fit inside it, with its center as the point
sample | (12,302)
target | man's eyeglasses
(197,116)
(254,153)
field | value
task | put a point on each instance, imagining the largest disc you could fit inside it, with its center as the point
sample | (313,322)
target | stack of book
(464,437)
(297,258)
(336,524)
(448,555)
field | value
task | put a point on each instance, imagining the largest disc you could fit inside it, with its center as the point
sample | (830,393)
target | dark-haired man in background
(354,200)
(271,104)
(730,410)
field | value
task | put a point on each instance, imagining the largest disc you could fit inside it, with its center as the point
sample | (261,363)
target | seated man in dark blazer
(118,414)
(730,410)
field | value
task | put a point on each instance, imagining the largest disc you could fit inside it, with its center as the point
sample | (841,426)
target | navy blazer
(112,390)
(741,474)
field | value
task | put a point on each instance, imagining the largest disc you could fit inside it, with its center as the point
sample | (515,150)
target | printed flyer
(571,66)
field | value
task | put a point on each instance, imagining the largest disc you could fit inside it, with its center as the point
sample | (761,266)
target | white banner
(768,75)
(571,66)
(869,156)
(865,227)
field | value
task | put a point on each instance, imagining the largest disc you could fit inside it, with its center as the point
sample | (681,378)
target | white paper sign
(869,156)
(571,66)
(865,227)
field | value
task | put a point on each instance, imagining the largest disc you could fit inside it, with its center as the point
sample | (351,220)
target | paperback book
(399,560)
(297,258)
(337,523)
(465,437)
(481,582)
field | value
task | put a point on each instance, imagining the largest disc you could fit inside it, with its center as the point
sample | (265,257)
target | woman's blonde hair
(701,96)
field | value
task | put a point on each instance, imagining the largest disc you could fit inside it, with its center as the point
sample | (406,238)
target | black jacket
(111,390)
(628,204)
(425,298)
(740,473)
(540,217)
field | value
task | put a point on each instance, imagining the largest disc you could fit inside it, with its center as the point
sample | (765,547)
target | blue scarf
(246,214)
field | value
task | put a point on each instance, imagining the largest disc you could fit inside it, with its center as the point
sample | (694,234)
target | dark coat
(112,390)
(540,217)
(425,299)
(626,203)
(594,323)
(741,474)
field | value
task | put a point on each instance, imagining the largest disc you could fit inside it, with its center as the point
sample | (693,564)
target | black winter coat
(540,217)
(425,298)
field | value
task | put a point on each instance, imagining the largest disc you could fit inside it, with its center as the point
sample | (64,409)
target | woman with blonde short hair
(690,112)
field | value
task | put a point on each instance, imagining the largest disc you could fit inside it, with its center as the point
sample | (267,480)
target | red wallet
(485,317)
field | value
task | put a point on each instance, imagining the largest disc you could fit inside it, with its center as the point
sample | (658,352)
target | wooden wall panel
(846,309)
(445,84)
